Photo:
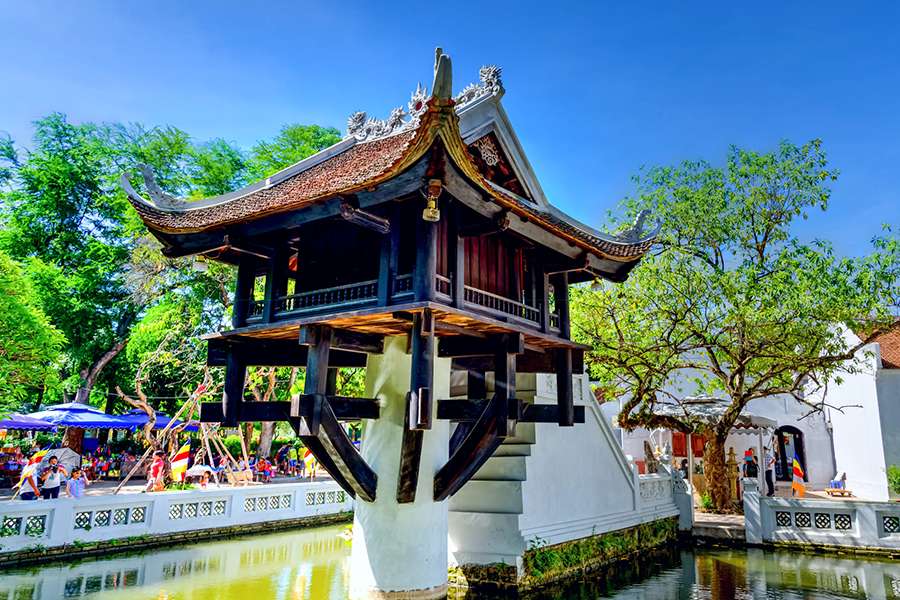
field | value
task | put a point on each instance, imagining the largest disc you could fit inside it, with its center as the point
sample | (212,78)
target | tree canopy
(732,304)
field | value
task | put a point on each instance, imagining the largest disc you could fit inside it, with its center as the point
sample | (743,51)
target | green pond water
(313,564)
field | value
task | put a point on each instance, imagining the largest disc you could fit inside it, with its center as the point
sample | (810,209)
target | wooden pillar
(426,260)
(243,291)
(422,375)
(505,383)
(387,269)
(564,397)
(544,297)
(233,394)
(561,297)
(276,281)
(457,260)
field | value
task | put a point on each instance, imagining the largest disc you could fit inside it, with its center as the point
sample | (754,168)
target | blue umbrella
(25,423)
(138,418)
(75,414)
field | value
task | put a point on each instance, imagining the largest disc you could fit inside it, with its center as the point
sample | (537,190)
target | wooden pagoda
(430,224)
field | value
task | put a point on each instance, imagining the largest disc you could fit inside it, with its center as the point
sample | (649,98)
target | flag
(32,465)
(180,462)
(308,460)
(797,486)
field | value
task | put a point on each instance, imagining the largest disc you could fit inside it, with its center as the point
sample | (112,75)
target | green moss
(543,563)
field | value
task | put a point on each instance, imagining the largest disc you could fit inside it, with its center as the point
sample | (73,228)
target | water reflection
(307,565)
(313,565)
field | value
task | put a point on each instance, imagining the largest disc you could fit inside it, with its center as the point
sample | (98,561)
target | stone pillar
(400,550)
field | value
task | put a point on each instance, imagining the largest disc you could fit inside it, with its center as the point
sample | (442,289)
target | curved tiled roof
(352,166)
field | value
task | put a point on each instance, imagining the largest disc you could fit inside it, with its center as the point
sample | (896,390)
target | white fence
(51,523)
(850,523)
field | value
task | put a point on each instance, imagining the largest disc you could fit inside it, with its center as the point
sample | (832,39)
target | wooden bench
(838,492)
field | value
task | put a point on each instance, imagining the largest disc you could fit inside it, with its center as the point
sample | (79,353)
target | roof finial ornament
(635,233)
(443,76)
(491,85)
(156,193)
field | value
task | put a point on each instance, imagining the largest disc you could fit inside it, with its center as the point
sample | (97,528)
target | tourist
(751,467)
(156,476)
(30,492)
(770,470)
(52,478)
(684,468)
(76,484)
(292,460)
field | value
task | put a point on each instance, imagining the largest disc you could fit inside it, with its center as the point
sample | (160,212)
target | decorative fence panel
(94,518)
(850,523)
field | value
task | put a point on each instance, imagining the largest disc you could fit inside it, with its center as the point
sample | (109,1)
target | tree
(30,347)
(732,304)
(292,144)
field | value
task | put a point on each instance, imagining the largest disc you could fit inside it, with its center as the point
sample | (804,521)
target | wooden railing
(442,285)
(500,305)
(403,284)
(352,293)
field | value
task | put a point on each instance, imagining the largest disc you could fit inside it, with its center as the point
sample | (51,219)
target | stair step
(513,450)
(502,468)
(501,497)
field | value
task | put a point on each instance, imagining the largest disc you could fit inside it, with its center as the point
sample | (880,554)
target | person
(76,484)
(751,467)
(292,461)
(52,478)
(156,476)
(770,471)
(684,468)
(29,489)
(204,480)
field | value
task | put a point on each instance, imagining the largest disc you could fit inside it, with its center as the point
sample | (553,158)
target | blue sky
(595,90)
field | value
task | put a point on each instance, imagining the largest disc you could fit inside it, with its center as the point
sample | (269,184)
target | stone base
(435,593)
(543,565)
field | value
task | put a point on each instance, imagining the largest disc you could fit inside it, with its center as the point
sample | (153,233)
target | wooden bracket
(351,213)
(318,426)
(418,404)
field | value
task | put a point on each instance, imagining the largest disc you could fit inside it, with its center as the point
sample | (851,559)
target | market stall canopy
(138,418)
(75,414)
(710,410)
(25,423)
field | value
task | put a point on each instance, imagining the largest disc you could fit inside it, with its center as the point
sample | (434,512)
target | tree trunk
(248,437)
(90,375)
(718,479)
(74,439)
(266,434)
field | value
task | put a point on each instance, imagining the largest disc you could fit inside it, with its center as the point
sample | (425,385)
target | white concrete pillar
(400,550)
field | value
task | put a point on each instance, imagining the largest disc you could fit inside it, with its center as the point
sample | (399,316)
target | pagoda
(424,243)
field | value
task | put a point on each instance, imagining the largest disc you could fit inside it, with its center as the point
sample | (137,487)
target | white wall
(62,521)
(857,428)
(888,389)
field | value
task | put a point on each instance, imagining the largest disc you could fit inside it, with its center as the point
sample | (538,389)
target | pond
(312,564)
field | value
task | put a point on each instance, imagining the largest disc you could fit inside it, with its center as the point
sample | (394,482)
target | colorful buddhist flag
(797,485)
(180,462)
(309,460)
(30,467)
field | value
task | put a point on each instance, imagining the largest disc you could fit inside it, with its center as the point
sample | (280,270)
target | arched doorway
(790,444)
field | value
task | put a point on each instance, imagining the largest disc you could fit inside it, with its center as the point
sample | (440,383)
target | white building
(864,413)
(858,434)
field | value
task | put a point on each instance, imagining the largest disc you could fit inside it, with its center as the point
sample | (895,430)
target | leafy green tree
(292,144)
(30,347)
(732,304)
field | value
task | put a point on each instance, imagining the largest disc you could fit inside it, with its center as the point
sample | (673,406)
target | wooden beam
(276,280)
(365,219)
(273,353)
(318,427)
(233,393)
(456,259)
(561,297)
(344,339)
(418,417)
(387,267)
(499,223)
(480,443)
(564,396)
(460,346)
(345,409)
(243,292)
(476,387)
(529,362)
(425,268)
(509,408)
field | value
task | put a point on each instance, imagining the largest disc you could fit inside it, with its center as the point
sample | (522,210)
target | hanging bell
(431,212)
